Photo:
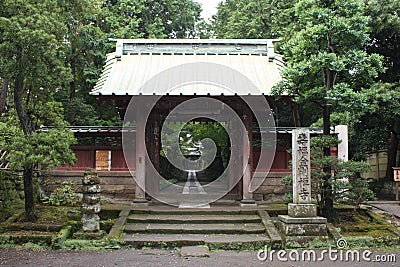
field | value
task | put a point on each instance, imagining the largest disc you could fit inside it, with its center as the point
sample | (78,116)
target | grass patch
(10,210)
(52,214)
(364,229)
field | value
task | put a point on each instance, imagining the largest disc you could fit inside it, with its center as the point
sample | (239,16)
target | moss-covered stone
(89,235)
(90,177)
(238,246)
(11,193)
(79,244)
(58,241)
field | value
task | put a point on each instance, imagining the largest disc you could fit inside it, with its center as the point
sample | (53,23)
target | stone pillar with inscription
(302,224)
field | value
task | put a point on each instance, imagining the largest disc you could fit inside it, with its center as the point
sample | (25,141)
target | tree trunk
(296,114)
(27,127)
(327,197)
(392,152)
(28,191)
(3,97)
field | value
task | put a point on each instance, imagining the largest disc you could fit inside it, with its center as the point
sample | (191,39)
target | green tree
(384,26)
(244,19)
(326,62)
(31,60)
(84,57)
(84,43)
(378,128)
(150,19)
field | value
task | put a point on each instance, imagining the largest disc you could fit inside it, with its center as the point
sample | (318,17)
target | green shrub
(63,195)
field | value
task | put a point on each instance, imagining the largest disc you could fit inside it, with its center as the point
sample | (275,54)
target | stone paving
(392,207)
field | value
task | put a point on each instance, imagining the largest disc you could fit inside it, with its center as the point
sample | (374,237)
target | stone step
(195,196)
(215,241)
(220,228)
(192,218)
(25,236)
(192,211)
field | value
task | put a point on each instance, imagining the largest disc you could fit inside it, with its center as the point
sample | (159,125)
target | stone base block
(306,220)
(312,227)
(302,230)
(89,235)
(302,210)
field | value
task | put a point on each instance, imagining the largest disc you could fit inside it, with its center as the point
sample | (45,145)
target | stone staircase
(218,228)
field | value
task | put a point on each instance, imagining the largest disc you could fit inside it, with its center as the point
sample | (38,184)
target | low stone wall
(11,188)
(272,189)
(121,186)
(114,185)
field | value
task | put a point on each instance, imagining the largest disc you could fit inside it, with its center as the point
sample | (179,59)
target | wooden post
(396,177)
(153,184)
(140,194)
(233,170)
(247,199)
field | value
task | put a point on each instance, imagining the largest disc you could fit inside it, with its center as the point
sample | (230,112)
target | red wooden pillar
(247,198)
(157,145)
(140,193)
(236,167)
(152,133)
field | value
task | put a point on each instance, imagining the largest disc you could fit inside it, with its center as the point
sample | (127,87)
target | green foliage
(384,23)
(85,41)
(11,192)
(63,195)
(319,243)
(244,19)
(49,149)
(150,19)
(5,241)
(379,120)
(215,132)
(327,55)
(30,41)
(359,192)
(77,112)
(191,133)
(345,179)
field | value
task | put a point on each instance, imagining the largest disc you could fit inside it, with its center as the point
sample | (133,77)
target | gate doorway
(196,175)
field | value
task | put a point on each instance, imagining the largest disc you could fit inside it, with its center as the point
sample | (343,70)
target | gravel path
(13,257)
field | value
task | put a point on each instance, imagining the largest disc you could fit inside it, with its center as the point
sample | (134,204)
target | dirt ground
(13,257)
